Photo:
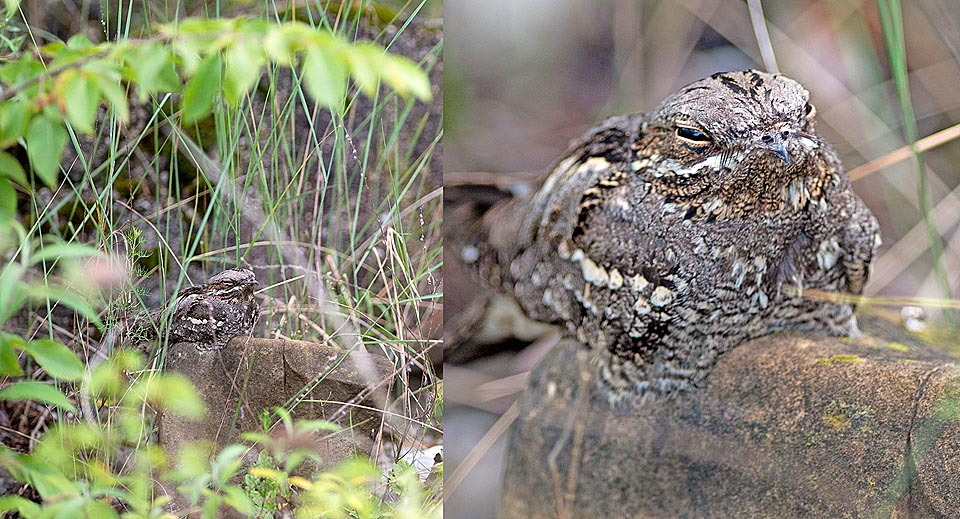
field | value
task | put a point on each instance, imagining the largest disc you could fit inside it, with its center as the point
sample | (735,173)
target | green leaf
(8,201)
(56,359)
(46,140)
(63,250)
(9,367)
(66,297)
(152,68)
(79,41)
(82,100)
(227,463)
(280,45)
(201,89)
(325,73)
(11,168)
(366,64)
(210,507)
(174,393)
(406,78)
(26,507)
(14,116)
(236,498)
(95,509)
(242,67)
(12,6)
(38,392)
(107,80)
(12,292)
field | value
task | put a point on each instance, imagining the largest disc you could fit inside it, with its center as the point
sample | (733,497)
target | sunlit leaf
(26,507)
(201,89)
(175,394)
(38,392)
(366,63)
(280,45)
(46,140)
(242,67)
(406,78)
(325,74)
(81,100)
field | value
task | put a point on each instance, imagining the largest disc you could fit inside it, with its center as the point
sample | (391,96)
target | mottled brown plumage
(662,240)
(208,315)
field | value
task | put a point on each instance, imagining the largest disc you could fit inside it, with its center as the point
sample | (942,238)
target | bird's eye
(808,110)
(692,134)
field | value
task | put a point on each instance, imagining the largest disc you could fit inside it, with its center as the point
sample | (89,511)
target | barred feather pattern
(207,315)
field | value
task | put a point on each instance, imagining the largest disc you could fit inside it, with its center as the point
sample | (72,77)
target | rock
(250,376)
(785,426)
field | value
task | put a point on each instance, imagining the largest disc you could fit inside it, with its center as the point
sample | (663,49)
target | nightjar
(208,315)
(663,240)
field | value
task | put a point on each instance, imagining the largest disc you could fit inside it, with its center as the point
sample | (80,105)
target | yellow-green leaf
(37,391)
(174,393)
(152,68)
(56,359)
(14,116)
(95,509)
(11,168)
(325,74)
(366,63)
(12,292)
(242,64)
(12,6)
(61,295)
(46,140)
(406,78)
(8,201)
(201,89)
(107,81)
(26,507)
(82,100)
(9,367)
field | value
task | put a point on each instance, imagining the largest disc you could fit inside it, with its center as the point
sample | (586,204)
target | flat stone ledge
(785,426)
(252,375)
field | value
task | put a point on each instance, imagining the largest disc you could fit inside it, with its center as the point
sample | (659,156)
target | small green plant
(92,467)
(210,59)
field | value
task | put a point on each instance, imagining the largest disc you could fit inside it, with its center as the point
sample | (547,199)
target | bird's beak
(776,142)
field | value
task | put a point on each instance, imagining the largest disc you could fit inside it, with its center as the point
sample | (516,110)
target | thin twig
(480,450)
(903,153)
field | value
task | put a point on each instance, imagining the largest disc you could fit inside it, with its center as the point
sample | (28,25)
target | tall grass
(338,214)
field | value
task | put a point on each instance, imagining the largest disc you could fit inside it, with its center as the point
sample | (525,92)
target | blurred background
(522,79)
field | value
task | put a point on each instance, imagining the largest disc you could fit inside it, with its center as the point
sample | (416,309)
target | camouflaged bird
(208,315)
(663,240)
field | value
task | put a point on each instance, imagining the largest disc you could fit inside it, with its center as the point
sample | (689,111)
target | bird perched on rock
(207,315)
(662,240)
